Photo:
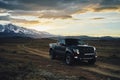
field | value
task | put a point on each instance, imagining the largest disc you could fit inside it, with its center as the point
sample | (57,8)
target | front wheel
(69,59)
(52,54)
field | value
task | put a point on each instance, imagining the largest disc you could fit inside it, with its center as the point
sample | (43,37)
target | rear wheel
(52,54)
(69,59)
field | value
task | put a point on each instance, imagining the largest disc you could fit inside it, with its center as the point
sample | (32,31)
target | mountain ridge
(13,31)
(10,30)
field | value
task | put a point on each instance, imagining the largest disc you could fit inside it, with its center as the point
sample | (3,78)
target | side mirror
(87,44)
(62,44)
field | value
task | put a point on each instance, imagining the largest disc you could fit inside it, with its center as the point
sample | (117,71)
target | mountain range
(10,30)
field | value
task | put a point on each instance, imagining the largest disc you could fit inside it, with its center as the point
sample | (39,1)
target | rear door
(62,47)
(57,48)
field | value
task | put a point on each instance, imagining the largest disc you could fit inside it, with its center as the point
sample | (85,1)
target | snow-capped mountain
(10,30)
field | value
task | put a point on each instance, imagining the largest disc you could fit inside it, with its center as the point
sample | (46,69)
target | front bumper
(86,56)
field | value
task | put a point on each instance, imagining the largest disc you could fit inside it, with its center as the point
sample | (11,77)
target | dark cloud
(15,20)
(37,4)
(5,18)
(41,14)
(4,4)
(52,4)
(23,13)
(97,18)
(57,8)
(110,2)
(40,2)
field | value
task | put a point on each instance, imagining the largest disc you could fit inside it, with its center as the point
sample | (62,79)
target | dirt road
(99,69)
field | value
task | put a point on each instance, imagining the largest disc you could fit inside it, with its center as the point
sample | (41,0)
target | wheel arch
(67,52)
(50,50)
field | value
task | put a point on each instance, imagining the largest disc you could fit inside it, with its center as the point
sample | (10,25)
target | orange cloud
(43,14)
(98,8)
(24,21)
(106,9)
(56,16)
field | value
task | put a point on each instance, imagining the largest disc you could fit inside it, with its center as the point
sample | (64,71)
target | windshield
(74,42)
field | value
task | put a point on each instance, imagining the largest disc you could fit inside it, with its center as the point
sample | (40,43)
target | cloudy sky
(64,17)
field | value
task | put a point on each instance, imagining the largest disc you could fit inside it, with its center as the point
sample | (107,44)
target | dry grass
(19,64)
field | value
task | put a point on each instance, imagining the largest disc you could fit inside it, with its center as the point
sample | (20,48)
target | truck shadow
(76,63)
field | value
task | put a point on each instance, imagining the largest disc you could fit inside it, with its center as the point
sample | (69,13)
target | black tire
(69,60)
(92,61)
(52,54)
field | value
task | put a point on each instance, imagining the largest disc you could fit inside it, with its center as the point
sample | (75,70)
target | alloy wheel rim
(68,59)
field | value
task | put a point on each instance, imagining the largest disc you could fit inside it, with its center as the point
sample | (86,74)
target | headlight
(76,51)
(94,49)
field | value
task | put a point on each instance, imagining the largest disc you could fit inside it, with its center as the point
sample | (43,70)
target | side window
(61,41)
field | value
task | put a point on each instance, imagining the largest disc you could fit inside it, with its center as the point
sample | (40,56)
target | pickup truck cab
(71,50)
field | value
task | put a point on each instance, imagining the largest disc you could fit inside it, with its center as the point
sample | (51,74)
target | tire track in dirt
(108,66)
(100,71)
(35,51)
(100,68)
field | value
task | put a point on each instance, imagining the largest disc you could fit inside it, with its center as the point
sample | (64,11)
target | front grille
(86,50)
(88,56)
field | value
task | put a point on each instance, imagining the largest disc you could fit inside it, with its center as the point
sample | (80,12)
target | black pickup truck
(71,50)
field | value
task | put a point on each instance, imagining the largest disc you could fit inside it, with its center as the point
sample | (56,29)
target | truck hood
(80,46)
(83,46)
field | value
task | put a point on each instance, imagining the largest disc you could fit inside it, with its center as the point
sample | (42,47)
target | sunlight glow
(40,28)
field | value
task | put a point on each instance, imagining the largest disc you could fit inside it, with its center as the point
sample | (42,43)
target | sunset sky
(64,17)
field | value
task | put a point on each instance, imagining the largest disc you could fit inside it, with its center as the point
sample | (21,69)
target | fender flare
(68,51)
